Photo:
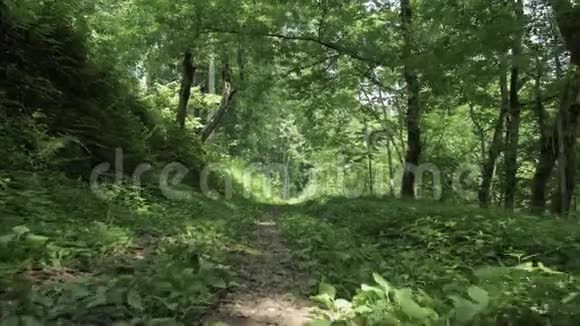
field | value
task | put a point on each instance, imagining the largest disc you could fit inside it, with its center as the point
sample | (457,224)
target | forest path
(269,284)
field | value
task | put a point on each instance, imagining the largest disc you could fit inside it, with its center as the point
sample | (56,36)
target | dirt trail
(269,284)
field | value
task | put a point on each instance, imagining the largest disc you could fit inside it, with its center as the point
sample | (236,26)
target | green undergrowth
(62,110)
(529,266)
(68,256)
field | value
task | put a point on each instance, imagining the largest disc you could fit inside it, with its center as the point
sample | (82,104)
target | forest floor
(135,258)
(269,286)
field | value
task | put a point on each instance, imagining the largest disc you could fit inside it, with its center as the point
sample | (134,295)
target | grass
(70,257)
(529,265)
(131,256)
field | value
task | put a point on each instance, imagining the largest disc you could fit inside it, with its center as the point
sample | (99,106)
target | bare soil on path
(269,285)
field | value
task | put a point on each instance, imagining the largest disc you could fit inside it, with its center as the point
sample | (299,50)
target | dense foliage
(526,265)
(419,159)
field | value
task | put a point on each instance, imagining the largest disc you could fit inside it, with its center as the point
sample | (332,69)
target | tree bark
(389,153)
(496,146)
(567,125)
(185,91)
(479,132)
(547,159)
(227,97)
(413,104)
(570,150)
(512,140)
(514,114)
(548,141)
(369,157)
(568,18)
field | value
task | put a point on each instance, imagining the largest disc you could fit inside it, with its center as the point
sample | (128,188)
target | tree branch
(305,38)
(224,105)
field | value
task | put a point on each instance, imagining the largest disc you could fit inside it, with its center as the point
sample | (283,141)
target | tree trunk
(390,139)
(548,141)
(560,203)
(224,105)
(479,132)
(496,146)
(413,105)
(371,176)
(242,65)
(185,91)
(227,97)
(391,169)
(512,140)
(570,150)
(548,154)
(567,125)
(568,17)
(514,114)
(369,157)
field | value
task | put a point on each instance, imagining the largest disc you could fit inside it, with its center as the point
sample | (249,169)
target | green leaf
(170,305)
(411,308)
(6,239)
(36,240)
(465,310)
(134,300)
(320,322)
(99,299)
(478,295)
(342,304)
(218,283)
(570,297)
(324,299)
(374,289)
(382,282)
(361,310)
(20,230)
(79,292)
(325,288)
(42,299)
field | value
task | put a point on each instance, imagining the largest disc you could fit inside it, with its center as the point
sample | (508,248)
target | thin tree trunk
(496,146)
(562,164)
(512,140)
(556,46)
(514,115)
(402,140)
(369,158)
(570,150)
(390,139)
(227,97)
(479,132)
(391,169)
(185,91)
(242,65)
(413,105)
(371,177)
